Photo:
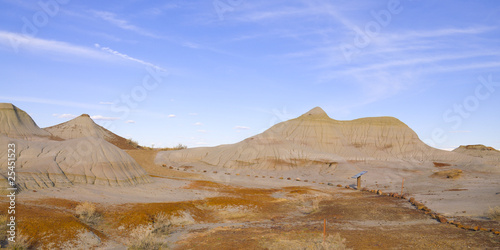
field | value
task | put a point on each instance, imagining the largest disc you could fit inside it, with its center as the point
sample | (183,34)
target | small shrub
(161,224)
(143,237)
(133,143)
(87,213)
(308,205)
(180,146)
(22,242)
(494,213)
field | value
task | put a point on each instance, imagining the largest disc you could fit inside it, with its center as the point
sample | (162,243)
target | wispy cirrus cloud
(241,128)
(37,45)
(127,57)
(18,41)
(122,23)
(52,102)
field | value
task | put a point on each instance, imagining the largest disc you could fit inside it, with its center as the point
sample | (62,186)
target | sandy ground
(253,210)
(161,190)
(472,194)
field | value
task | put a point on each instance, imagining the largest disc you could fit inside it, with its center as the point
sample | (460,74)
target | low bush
(87,213)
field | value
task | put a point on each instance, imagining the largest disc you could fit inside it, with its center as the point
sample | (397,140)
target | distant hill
(315,141)
(15,123)
(84,126)
(489,154)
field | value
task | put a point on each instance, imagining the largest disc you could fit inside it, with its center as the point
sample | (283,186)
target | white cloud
(241,128)
(160,10)
(171,116)
(51,101)
(447,149)
(201,131)
(201,143)
(65,116)
(191,45)
(193,113)
(104,118)
(121,23)
(106,103)
(130,121)
(33,44)
(198,124)
(461,131)
(127,57)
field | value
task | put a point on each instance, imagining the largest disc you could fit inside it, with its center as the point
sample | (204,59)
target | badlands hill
(489,154)
(42,162)
(314,141)
(15,123)
(89,160)
(84,126)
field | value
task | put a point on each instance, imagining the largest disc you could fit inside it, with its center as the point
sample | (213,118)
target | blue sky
(205,73)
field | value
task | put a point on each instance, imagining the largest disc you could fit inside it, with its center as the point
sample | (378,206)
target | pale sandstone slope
(314,140)
(15,123)
(84,126)
(42,162)
(89,160)
(488,154)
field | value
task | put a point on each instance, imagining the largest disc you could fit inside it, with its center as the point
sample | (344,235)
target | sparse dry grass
(87,213)
(149,236)
(22,242)
(494,213)
(49,222)
(143,237)
(3,227)
(332,242)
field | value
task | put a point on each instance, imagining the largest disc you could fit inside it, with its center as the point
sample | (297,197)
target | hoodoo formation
(41,162)
(84,126)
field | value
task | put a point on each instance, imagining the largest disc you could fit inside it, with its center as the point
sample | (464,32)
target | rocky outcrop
(84,126)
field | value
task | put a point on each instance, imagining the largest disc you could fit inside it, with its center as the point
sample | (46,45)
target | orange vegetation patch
(441,164)
(49,221)
(132,215)
(450,174)
(207,185)
(457,189)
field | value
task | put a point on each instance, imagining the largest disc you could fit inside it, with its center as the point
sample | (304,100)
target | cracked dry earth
(254,218)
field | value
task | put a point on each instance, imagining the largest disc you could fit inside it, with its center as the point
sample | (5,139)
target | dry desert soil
(192,210)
